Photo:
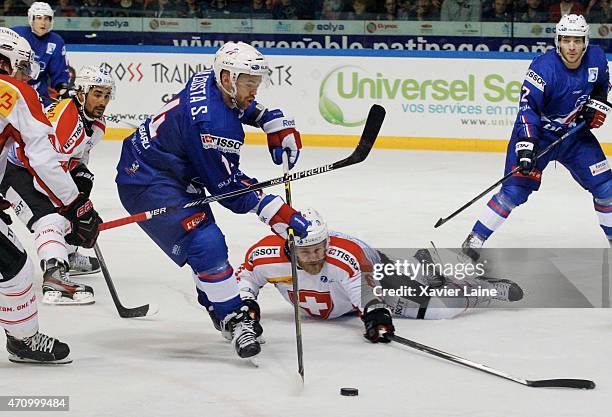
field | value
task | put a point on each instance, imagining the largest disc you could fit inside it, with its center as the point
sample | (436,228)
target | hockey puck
(349,392)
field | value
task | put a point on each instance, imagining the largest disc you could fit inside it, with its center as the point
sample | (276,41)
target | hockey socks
(497,211)
(603,208)
(220,290)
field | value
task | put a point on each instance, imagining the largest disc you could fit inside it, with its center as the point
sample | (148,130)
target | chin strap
(232,95)
(87,121)
(570,65)
(566,63)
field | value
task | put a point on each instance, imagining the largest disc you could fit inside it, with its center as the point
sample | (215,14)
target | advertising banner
(434,98)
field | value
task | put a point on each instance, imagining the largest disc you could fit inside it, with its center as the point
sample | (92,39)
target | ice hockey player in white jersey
(79,125)
(22,120)
(335,275)
(562,88)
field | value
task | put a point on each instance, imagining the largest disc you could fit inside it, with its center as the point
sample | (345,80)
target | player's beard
(312,268)
(244,102)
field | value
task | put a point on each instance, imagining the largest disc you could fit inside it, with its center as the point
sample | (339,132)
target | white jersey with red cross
(335,291)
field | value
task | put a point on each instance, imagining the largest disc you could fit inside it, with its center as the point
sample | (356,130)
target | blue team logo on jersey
(324,278)
(581,100)
(51,48)
(593,72)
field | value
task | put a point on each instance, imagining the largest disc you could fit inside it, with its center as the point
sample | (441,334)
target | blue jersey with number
(552,94)
(50,53)
(195,138)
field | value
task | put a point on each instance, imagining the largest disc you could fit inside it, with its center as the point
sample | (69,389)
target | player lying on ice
(335,278)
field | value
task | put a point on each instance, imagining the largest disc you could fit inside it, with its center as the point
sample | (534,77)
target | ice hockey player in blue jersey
(49,50)
(192,146)
(563,87)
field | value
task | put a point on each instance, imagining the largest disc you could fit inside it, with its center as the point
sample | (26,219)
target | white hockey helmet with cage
(572,25)
(317,231)
(239,58)
(40,8)
(19,53)
(94,76)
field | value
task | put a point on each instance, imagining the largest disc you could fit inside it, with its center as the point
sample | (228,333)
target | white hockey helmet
(40,8)
(239,58)
(317,231)
(572,25)
(94,76)
(19,53)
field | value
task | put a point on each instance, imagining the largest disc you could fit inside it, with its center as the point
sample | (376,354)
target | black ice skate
(82,264)
(213,317)
(506,290)
(241,327)
(40,348)
(59,289)
(471,246)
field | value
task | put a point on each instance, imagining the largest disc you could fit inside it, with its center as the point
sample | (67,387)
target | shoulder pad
(16,90)
(9,95)
(345,254)
(267,250)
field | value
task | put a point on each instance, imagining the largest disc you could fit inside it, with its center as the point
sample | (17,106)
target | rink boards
(465,101)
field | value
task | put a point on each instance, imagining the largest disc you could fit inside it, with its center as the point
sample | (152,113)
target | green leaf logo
(328,108)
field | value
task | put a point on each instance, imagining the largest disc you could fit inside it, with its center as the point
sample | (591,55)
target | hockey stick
(540,383)
(441,221)
(368,137)
(124,312)
(294,278)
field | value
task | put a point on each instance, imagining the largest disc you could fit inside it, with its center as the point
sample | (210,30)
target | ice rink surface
(176,364)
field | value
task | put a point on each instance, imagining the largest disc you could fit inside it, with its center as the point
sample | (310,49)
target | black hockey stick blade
(543,383)
(373,123)
(562,383)
(123,311)
(131,313)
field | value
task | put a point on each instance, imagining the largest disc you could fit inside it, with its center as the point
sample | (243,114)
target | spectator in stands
(361,10)
(461,10)
(285,10)
(498,11)
(190,9)
(259,10)
(65,8)
(406,9)
(426,10)
(332,10)
(218,9)
(9,8)
(389,12)
(535,12)
(127,8)
(94,8)
(564,7)
(162,9)
(599,11)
